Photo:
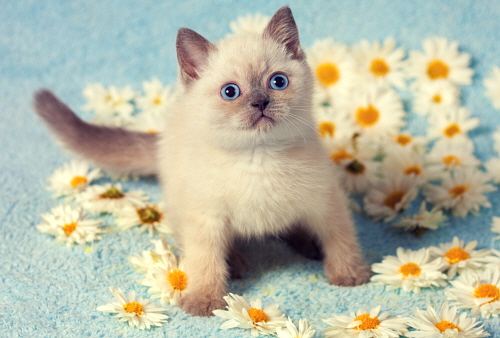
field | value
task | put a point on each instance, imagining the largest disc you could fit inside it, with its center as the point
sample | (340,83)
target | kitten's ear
(282,28)
(192,53)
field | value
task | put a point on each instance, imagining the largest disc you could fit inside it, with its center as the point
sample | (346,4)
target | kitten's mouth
(263,122)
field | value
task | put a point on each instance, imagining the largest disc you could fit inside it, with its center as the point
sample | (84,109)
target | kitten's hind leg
(304,242)
(238,264)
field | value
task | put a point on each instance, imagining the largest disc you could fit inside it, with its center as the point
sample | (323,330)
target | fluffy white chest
(266,193)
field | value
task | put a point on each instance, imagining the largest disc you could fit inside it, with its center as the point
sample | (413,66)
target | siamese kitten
(240,158)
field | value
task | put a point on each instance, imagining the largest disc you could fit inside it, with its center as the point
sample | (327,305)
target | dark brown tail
(116,150)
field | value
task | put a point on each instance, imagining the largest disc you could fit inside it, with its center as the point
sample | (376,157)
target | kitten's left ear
(282,28)
(192,53)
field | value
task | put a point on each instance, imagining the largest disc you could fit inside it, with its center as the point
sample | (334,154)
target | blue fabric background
(49,290)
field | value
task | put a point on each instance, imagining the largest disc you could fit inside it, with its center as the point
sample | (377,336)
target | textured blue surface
(48,290)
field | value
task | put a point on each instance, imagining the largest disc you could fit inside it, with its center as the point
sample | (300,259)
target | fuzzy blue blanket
(50,290)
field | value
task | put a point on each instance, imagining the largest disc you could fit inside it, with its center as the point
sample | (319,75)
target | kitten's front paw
(349,276)
(198,304)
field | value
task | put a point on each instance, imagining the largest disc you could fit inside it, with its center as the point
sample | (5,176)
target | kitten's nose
(261,104)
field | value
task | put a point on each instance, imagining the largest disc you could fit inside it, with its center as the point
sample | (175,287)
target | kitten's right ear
(192,53)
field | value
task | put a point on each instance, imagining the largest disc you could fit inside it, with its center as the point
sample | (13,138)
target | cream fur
(225,172)
(223,180)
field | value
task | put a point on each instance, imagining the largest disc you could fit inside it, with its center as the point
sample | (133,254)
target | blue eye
(230,91)
(278,82)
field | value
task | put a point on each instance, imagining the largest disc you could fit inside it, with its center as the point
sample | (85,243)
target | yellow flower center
(69,228)
(437,98)
(112,193)
(328,74)
(456,255)
(157,100)
(118,102)
(414,169)
(367,117)
(451,160)
(367,322)
(257,315)
(178,280)
(340,155)
(355,167)
(393,198)
(437,70)
(487,291)
(149,214)
(403,139)
(410,269)
(379,67)
(452,130)
(458,190)
(78,181)
(134,307)
(326,129)
(445,325)
(152,131)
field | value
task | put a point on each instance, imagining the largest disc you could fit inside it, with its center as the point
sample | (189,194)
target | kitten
(240,158)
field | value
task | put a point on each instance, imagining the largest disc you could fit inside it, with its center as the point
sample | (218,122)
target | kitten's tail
(116,150)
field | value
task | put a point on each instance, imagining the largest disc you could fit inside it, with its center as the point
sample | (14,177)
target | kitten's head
(250,89)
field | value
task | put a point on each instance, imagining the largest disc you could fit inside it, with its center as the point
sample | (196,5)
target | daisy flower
(354,156)
(492,85)
(331,125)
(166,279)
(147,217)
(404,142)
(147,123)
(148,258)
(72,178)
(110,198)
(492,261)
(249,24)
(422,221)
(478,291)
(495,226)
(380,64)
(366,324)
(440,61)
(410,270)
(493,169)
(462,191)
(452,126)
(157,98)
(70,225)
(406,163)
(448,156)
(136,311)
(358,175)
(112,105)
(460,257)
(390,196)
(333,67)
(446,324)
(291,331)
(377,112)
(436,98)
(251,315)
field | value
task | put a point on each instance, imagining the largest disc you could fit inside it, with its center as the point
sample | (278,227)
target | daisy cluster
(361,117)
(82,201)
(362,120)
